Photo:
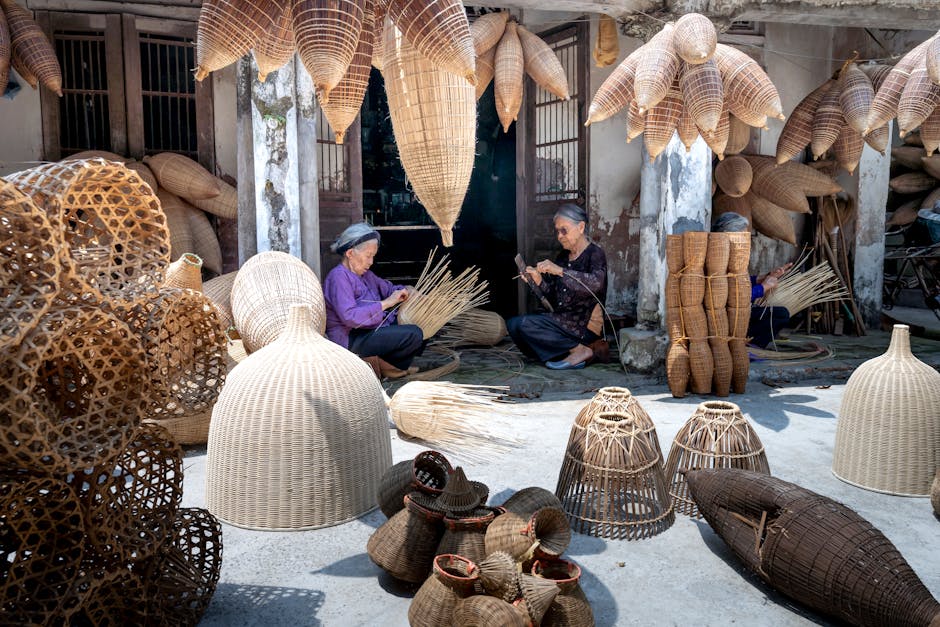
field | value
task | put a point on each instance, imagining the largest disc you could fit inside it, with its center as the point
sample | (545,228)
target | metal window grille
(84,122)
(168,91)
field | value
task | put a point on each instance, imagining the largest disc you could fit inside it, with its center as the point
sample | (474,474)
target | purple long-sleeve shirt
(355,302)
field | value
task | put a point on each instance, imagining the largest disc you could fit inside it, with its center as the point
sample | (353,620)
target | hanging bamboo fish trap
(695,38)
(734,176)
(381,13)
(225,205)
(827,121)
(686,129)
(848,148)
(29,45)
(508,79)
(749,92)
(326,35)
(606,47)
(615,93)
(703,92)
(876,73)
(434,119)
(798,131)
(474,327)
(718,140)
(439,297)
(4,52)
(346,98)
(661,122)
(276,47)
(486,70)
(542,64)
(228,29)
(656,69)
(182,176)
(717,435)
(855,96)
(770,219)
(205,242)
(439,31)
(739,136)
(486,31)
(918,100)
(884,105)
(933,61)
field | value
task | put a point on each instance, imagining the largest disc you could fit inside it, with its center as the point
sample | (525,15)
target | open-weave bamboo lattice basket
(612,483)
(717,435)
(73,392)
(106,595)
(264,290)
(434,119)
(306,400)
(813,549)
(116,234)
(888,436)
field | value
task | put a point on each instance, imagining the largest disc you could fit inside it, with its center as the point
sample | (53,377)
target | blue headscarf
(354,235)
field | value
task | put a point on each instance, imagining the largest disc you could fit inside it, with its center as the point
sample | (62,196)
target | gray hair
(731,222)
(573,212)
(353,236)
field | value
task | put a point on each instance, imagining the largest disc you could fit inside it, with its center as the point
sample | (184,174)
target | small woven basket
(185,273)
(694,322)
(404,545)
(723,366)
(427,472)
(701,366)
(855,96)
(694,250)
(538,594)
(187,430)
(739,244)
(499,576)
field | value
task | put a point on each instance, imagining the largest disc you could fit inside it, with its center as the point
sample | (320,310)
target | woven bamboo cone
(276,47)
(380,8)
(510,70)
(4,52)
(933,61)
(346,98)
(734,176)
(827,123)
(918,100)
(219,292)
(205,242)
(686,129)
(185,273)
(848,148)
(930,132)
(876,73)
(703,93)
(326,33)
(225,205)
(435,132)
(798,130)
(144,173)
(486,31)
(486,70)
(177,213)
(855,96)
(481,610)
(912,183)
(908,157)
(542,64)
(739,136)
(884,105)
(878,138)
(695,38)
(771,220)
(740,364)
(661,123)
(29,44)
(606,48)
(718,140)
(749,92)
(440,31)
(810,181)
(228,29)
(182,176)
(616,92)
(931,165)
(656,69)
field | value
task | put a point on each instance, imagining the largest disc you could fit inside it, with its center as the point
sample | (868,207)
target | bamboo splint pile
(708,297)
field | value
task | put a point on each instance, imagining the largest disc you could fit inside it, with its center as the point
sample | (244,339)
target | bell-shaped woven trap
(734,176)
(434,119)
(656,70)
(798,130)
(571,607)
(509,534)
(263,292)
(613,484)
(813,549)
(30,47)
(486,32)
(542,64)
(499,576)
(116,234)
(527,500)
(31,252)
(538,594)
(73,392)
(481,610)
(549,527)
(427,472)
(276,47)
(458,498)
(228,29)
(346,98)
(326,35)
(181,578)
(439,31)
(405,545)
(42,544)
(454,577)
(884,105)
(717,435)
(695,38)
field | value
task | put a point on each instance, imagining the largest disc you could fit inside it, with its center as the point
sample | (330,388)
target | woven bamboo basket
(739,136)
(452,579)
(661,121)
(691,289)
(703,92)
(4,52)
(510,71)
(811,181)
(718,140)
(686,129)
(612,484)
(701,366)
(460,497)
(527,501)
(674,256)
(813,549)
(465,536)
(734,176)
(43,544)
(17,63)
(918,100)
(798,130)
(116,234)
(616,92)
(694,325)
(499,576)
(538,594)
(607,47)
(107,155)
(182,176)
(177,213)
(306,399)
(905,214)
(678,368)
(695,38)
(436,132)
(346,98)
(739,291)
(225,205)
(404,545)
(848,148)
(181,579)
(726,204)
(380,9)
(72,391)
(30,266)
(326,33)
(427,473)
(739,252)
(827,122)
(749,92)
(723,366)
(487,30)
(900,456)
(185,273)
(908,157)
(738,320)
(29,44)
(673,292)
(276,47)
(876,73)
(931,165)
(717,435)
(542,64)
(228,29)
(740,365)
(545,531)
(144,172)
(884,105)
(855,96)
(474,327)
(483,611)
(772,220)
(657,68)
(912,183)
(571,607)
(486,70)
(219,293)
(933,61)
(636,122)
(694,250)
(440,32)
(105,594)
(264,290)
(187,430)
(717,319)
(718,250)
(205,242)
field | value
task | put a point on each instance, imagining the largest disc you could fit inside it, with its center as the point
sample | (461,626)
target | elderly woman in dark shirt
(574,284)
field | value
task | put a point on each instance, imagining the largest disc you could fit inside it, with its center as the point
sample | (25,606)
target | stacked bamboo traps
(682,79)
(25,48)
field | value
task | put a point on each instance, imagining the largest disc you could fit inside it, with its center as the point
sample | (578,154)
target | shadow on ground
(268,606)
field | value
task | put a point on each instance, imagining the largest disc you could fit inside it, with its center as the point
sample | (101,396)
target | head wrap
(354,235)
(731,222)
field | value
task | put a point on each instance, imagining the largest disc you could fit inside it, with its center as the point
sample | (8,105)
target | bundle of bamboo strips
(798,290)
(474,326)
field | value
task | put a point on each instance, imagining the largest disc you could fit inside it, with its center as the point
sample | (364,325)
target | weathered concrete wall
(223,102)
(21,131)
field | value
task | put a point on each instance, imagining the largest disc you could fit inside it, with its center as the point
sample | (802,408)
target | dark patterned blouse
(572,302)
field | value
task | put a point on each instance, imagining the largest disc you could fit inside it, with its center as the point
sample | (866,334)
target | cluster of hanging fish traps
(684,80)
(25,48)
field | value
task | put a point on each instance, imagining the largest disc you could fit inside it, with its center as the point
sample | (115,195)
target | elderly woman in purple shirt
(357,304)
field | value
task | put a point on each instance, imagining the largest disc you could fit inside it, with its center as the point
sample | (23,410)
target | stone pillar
(873,176)
(281,162)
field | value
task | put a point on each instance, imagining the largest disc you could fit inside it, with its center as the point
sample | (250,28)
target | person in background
(358,304)
(574,284)
(766,322)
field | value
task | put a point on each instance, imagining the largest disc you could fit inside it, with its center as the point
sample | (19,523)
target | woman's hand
(776,273)
(769,283)
(534,275)
(394,298)
(549,267)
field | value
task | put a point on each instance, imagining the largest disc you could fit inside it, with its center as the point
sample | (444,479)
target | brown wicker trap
(106,595)
(276,46)
(427,472)
(177,213)
(326,35)
(703,93)
(484,611)
(571,607)
(798,130)
(228,29)
(527,500)
(405,545)
(345,100)
(486,32)
(717,435)
(615,93)
(453,578)
(439,31)
(661,121)
(182,176)
(219,293)
(718,140)
(187,430)
(29,47)
(749,92)
(884,105)
(225,205)
(144,172)
(465,536)
(538,594)
(542,64)
(499,576)
(918,100)
(486,70)
(855,96)
(544,533)
(734,176)
(509,74)
(657,68)
(813,549)
(459,497)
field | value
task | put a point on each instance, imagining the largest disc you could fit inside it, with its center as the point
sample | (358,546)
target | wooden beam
(188,12)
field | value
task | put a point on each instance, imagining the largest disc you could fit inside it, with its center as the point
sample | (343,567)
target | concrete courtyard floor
(684,576)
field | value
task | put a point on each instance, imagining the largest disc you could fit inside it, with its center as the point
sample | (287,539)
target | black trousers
(540,337)
(765,323)
(398,344)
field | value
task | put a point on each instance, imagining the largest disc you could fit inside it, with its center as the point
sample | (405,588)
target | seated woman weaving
(356,302)
(574,284)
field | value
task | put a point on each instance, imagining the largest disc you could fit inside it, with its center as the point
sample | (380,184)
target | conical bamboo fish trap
(177,212)
(661,123)
(144,172)
(686,128)
(440,32)
(855,96)
(908,157)
(678,368)
(912,183)
(636,122)
(185,273)
(276,47)
(219,293)
(695,38)
(931,166)
(876,73)
(481,610)
(884,105)
(182,176)
(440,297)
(225,205)
(879,138)
(701,363)
(774,184)
(116,234)
(734,176)
(848,148)
(918,100)
(17,63)
(510,71)
(749,92)
(905,214)
(616,92)
(427,472)
(486,70)
(29,44)
(813,549)
(607,47)
(499,576)
(810,181)
(326,33)
(542,64)
(656,69)
(474,327)
(266,287)
(827,122)
(346,98)
(717,435)
(459,498)
(487,30)
(537,595)
(933,61)
(770,219)
(380,8)
(434,119)
(798,130)
(228,29)
(718,140)
(205,242)
(4,52)
(739,136)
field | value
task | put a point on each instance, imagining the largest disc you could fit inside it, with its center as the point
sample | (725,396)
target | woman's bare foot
(578,354)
